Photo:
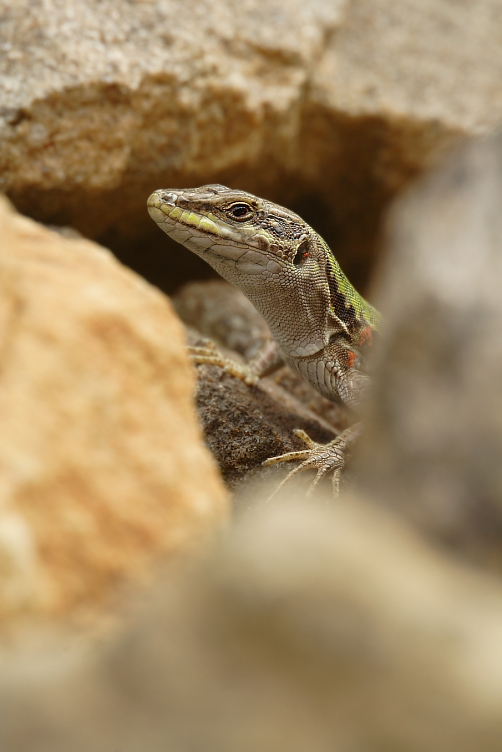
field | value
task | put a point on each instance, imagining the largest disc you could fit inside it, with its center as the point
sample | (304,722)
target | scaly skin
(322,326)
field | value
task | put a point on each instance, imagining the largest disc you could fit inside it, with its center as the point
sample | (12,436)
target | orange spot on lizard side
(351,357)
(366,337)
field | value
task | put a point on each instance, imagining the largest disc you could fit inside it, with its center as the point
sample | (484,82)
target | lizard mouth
(205,235)
(198,232)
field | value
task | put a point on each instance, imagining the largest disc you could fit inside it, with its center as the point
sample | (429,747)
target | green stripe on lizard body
(346,303)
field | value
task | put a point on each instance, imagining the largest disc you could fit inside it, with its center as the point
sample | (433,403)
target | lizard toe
(324,458)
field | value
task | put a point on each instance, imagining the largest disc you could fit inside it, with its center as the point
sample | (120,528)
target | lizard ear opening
(302,253)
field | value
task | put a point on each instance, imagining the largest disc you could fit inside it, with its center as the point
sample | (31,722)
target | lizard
(321,327)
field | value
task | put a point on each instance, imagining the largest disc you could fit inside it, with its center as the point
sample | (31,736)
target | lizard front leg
(265,362)
(332,372)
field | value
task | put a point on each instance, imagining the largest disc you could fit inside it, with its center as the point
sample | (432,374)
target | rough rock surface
(309,629)
(102,467)
(220,311)
(244,426)
(435,431)
(331,106)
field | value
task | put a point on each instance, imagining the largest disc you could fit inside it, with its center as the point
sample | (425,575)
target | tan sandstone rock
(102,467)
(330,105)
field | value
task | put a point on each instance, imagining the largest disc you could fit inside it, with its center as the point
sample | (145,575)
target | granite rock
(330,106)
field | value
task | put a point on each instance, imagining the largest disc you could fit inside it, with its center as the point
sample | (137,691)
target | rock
(435,429)
(308,629)
(244,426)
(98,443)
(220,311)
(329,106)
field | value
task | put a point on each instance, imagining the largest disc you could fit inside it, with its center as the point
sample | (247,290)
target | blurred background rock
(328,106)
(435,447)
(371,626)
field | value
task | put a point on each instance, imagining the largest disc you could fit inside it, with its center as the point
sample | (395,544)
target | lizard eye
(240,211)
(302,253)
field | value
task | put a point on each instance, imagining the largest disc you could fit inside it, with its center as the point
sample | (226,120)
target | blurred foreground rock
(103,472)
(309,629)
(434,439)
(331,106)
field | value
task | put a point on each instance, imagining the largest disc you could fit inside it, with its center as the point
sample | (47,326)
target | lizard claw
(324,458)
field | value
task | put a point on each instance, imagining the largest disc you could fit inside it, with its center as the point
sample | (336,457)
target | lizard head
(232,229)
(278,261)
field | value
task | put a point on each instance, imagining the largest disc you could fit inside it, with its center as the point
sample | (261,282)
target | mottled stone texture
(220,311)
(330,106)
(435,430)
(103,471)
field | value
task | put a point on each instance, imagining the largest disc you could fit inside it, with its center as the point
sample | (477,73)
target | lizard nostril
(170,198)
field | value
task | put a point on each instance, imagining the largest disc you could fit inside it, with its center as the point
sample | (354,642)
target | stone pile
(373,624)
